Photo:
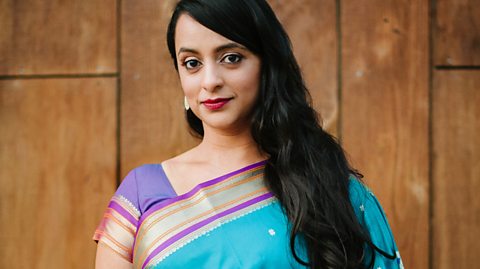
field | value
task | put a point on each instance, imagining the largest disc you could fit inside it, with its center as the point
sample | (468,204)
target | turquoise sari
(232,221)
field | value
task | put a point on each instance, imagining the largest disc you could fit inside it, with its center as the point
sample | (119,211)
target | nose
(212,77)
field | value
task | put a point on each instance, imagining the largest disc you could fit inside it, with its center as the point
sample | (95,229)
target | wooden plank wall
(57,37)
(456,32)
(58,134)
(57,168)
(456,168)
(456,142)
(384,99)
(301,21)
(153,126)
(88,92)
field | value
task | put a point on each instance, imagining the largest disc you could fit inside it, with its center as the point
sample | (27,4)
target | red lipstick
(215,104)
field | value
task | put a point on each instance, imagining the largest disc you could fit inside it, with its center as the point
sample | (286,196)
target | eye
(232,58)
(191,64)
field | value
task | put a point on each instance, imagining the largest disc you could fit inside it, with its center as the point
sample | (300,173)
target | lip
(216,104)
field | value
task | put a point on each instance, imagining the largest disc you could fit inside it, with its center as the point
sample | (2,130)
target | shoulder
(372,217)
(363,200)
(145,173)
(141,175)
(145,184)
(359,193)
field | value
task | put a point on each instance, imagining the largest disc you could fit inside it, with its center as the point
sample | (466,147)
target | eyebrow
(230,45)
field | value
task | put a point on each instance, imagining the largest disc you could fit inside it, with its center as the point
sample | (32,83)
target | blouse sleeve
(371,216)
(119,223)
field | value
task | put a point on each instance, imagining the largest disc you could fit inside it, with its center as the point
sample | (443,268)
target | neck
(223,148)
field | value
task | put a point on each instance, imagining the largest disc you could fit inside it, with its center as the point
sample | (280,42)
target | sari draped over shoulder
(232,221)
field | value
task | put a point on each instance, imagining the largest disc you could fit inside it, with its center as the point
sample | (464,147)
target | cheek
(247,78)
(252,83)
(188,85)
(254,75)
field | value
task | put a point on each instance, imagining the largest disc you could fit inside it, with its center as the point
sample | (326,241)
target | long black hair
(307,169)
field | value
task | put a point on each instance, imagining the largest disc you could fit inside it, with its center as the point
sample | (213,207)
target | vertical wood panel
(456,173)
(385,112)
(153,121)
(57,37)
(57,169)
(457,32)
(311,25)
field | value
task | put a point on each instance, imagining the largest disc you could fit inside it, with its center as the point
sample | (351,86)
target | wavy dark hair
(307,169)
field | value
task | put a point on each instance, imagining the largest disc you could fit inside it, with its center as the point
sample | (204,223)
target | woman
(266,187)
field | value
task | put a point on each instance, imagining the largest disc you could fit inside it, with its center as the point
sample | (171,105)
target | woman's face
(220,78)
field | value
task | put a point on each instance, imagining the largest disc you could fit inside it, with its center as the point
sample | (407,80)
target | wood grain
(153,122)
(57,169)
(457,33)
(456,169)
(311,25)
(57,37)
(385,112)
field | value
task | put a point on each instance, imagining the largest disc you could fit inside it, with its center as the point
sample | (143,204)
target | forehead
(190,33)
